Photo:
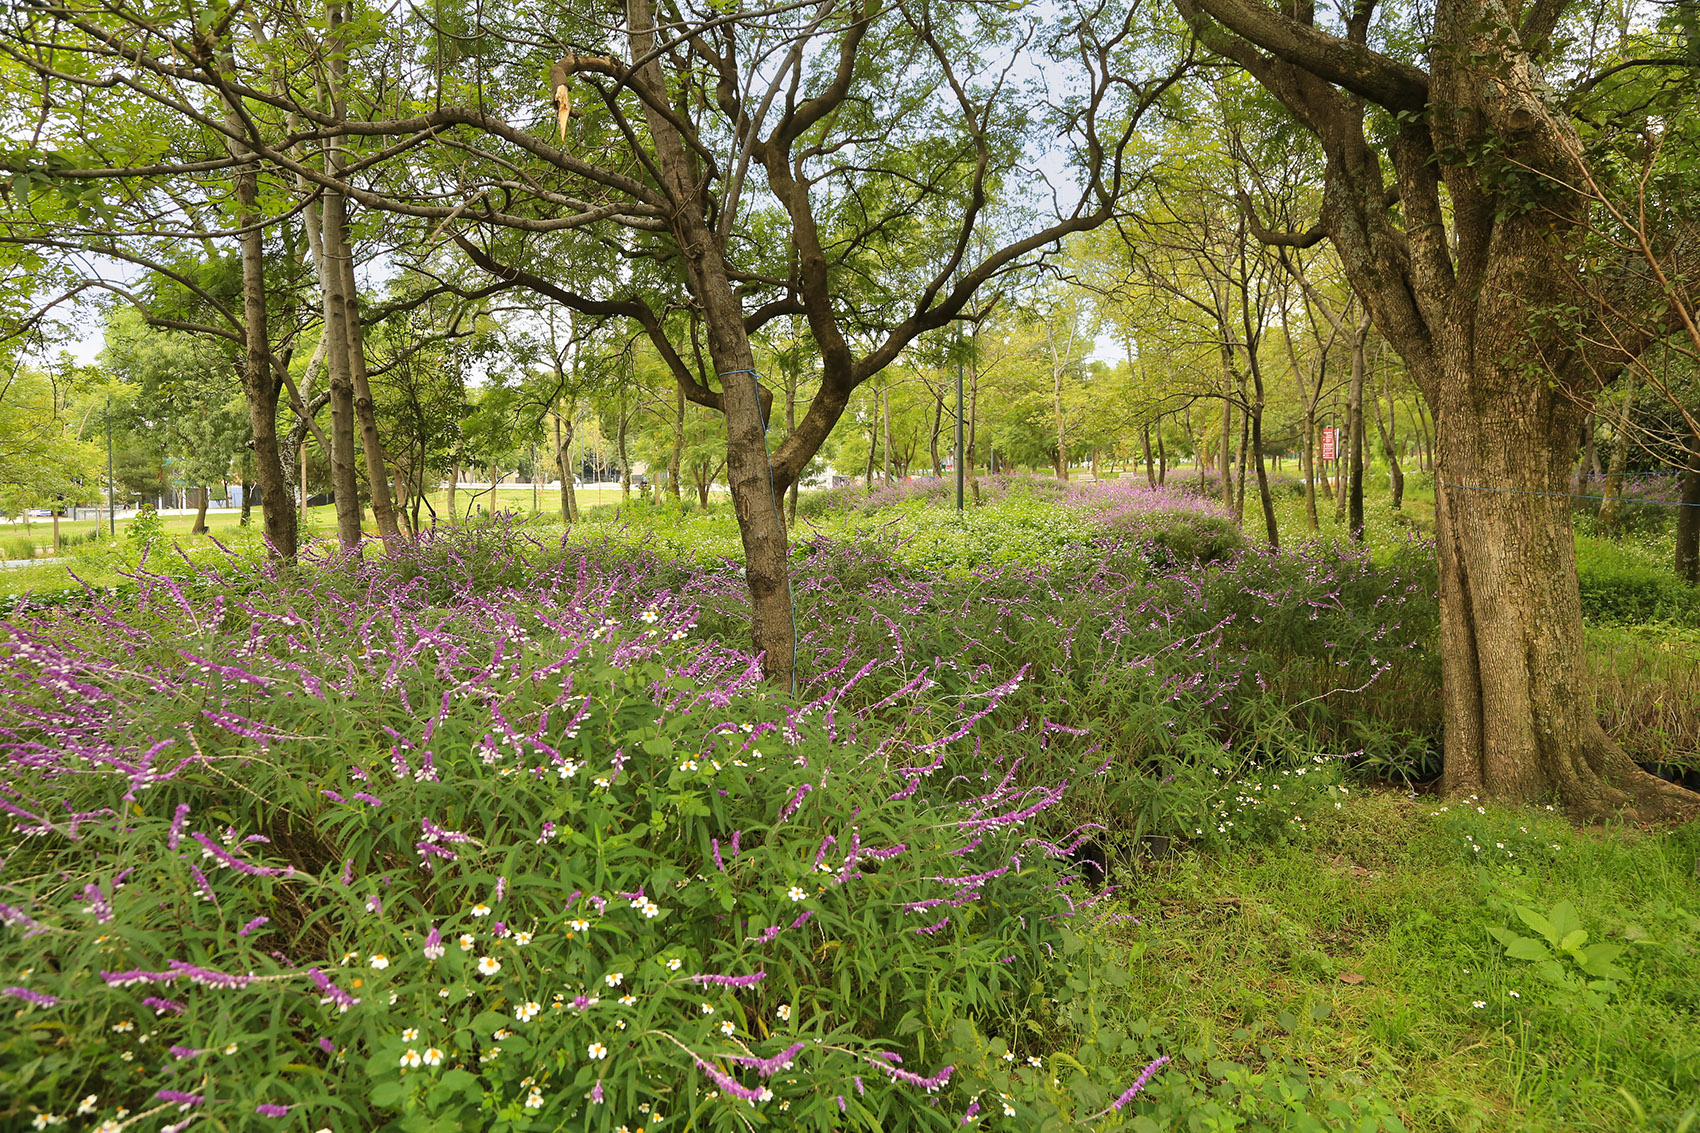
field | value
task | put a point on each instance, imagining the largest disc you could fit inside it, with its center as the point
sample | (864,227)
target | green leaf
(387,1094)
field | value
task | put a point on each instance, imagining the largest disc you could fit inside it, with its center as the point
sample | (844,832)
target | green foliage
(144,529)
(1620,587)
(1350,967)
(1561,953)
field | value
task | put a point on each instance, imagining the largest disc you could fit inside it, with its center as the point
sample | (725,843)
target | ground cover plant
(387,842)
(1192,725)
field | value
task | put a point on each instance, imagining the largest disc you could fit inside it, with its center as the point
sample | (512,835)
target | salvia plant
(475,835)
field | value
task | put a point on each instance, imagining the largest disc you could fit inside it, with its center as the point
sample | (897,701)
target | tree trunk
(1355,429)
(1611,505)
(1145,446)
(790,430)
(678,444)
(261,384)
(1270,528)
(564,465)
(1519,713)
(1390,445)
(1162,455)
(365,411)
(1226,454)
(1688,518)
(885,408)
(1308,463)
(1588,457)
(1240,461)
(454,484)
(873,446)
(202,495)
(933,440)
(620,450)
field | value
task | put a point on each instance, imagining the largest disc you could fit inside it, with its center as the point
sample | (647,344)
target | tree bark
(678,444)
(885,410)
(564,465)
(260,382)
(1611,504)
(1389,434)
(1688,518)
(1355,426)
(1162,455)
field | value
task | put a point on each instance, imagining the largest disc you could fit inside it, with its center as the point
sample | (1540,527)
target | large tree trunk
(1519,713)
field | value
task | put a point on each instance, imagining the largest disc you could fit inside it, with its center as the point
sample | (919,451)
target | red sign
(1328,435)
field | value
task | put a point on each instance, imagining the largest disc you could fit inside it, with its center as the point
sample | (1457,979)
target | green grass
(1248,966)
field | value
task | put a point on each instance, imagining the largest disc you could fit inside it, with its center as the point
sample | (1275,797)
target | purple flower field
(489,833)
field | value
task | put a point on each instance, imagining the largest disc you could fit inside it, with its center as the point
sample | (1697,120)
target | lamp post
(959,417)
(111,501)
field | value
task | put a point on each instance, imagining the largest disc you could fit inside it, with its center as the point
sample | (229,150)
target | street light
(959,417)
(111,512)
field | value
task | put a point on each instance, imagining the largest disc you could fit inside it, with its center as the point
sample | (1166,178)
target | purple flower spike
(28,996)
(267,1109)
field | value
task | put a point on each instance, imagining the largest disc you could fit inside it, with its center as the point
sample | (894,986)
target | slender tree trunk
(1588,457)
(202,495)
(1606,523)
(885,408)
(260,382)
(970,446)
(678,443)
(1270,528)
(454,485)
(1390,445)
(343,482)
(1240,462)
(790,430)
(1688,518)
(933,437)
(1307,463)
(873,447)
(620,449)
(303,483)
(1226,454)
(1355,427)
(365,411)
(565,468)
(1145,446)
(1162,455)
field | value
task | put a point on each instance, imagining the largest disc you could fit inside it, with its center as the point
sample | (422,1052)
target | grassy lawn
(1359,958)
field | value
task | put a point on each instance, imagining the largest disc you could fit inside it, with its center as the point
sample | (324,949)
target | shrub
(511,846)
(1619,587)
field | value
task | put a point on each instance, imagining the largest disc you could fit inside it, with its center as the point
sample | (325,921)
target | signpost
(1328,442)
